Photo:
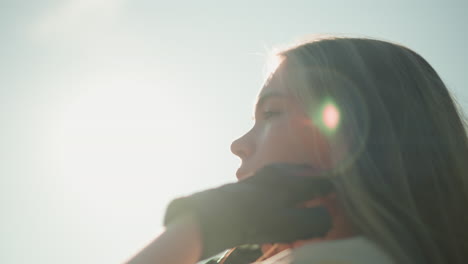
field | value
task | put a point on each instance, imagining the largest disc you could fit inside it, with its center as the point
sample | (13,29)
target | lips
(242,173)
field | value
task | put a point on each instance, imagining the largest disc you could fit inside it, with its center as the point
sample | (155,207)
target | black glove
(259,209)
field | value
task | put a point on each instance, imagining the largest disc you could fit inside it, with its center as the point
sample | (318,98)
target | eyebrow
(263,97)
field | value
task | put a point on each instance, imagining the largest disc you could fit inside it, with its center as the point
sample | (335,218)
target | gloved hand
(259,209)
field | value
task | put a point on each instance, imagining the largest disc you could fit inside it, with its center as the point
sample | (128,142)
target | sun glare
(327,116)
(330,116)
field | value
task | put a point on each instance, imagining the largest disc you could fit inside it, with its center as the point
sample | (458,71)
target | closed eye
(269,114)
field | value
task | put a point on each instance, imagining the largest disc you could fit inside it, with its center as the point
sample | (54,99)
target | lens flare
(330,116)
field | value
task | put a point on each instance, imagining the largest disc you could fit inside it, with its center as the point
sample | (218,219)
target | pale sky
(111,108)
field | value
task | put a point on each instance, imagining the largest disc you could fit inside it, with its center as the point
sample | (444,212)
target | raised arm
(257,210)
(180,243)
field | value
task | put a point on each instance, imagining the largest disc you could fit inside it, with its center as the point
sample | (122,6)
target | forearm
(180,243)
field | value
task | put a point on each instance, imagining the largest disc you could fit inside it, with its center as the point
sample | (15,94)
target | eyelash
(269,114)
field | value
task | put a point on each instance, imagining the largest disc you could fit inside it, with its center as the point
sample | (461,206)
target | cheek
(275,142)
(293,139)
(312,143)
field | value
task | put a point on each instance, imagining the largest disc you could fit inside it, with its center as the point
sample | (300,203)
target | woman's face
(283,132)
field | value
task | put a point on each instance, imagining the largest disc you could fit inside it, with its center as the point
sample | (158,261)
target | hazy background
(110,108)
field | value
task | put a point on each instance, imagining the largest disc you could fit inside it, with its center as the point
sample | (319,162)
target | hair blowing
(403,182)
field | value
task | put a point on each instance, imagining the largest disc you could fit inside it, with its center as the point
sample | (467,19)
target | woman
(375,120)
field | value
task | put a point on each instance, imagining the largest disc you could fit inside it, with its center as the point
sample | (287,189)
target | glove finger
(274,176)
(290,184)
(285,168)
(293,224)
(296,189)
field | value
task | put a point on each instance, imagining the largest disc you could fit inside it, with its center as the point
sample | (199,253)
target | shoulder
(356,250)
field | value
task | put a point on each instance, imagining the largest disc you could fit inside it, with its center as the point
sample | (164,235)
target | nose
(243,147)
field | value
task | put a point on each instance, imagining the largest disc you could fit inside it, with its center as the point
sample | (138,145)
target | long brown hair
(403,182)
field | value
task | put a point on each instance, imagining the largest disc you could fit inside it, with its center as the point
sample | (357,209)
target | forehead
(275,87)
(269,90)
(275,84)
(292,79)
